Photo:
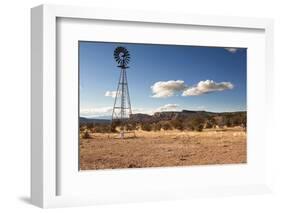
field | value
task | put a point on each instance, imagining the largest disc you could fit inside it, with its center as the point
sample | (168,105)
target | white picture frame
(45,167)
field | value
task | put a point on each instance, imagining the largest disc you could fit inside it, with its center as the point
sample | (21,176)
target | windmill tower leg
(128,97)
(122,112)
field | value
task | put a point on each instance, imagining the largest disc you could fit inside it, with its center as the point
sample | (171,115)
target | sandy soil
(163,149)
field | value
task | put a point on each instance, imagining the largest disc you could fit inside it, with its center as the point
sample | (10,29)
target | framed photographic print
(188,113)
(134,106)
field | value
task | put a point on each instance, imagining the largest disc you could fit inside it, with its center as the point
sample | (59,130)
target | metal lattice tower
(122,106)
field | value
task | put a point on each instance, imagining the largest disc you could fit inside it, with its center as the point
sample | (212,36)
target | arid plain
(164,149)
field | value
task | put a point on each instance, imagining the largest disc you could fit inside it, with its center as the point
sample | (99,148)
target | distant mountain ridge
(84,120)
(184,114)
(163,116)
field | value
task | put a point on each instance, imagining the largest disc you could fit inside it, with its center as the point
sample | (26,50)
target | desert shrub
(167,126)
(237,121)
(117,124)
(219,121)
(197,124)
(90,125)
(85,134)
(177,124)
(138,126)
(233,119)
(156,127)
(227,120)
(114,125)
(102,128)
(208,125)
(199,128)
(146,127)
(113,128)
(244,123)
(82,127)
(187,125)
(131,126)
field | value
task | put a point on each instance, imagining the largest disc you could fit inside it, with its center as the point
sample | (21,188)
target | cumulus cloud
(207,86)
(163,89)
(110,94)
(168,107)
(148,111)
(151,111)
(231,49)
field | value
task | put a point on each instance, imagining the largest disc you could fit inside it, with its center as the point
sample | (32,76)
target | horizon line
(164,112)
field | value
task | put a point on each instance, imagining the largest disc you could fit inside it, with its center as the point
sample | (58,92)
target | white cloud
(151,111)
(110,94)
(207,86)
(163,89)
(231,49)
(143,111)
(168,107)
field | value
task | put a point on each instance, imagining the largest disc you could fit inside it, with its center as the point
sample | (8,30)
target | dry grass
(163,149)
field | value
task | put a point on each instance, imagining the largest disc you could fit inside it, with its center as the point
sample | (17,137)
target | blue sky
(163,78)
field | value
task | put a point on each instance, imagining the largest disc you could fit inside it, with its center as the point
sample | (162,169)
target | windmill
(122,106)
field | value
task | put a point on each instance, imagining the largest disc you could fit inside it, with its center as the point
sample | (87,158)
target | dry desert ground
(164,149)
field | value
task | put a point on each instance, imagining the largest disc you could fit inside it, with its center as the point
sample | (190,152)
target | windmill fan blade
(121,55)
